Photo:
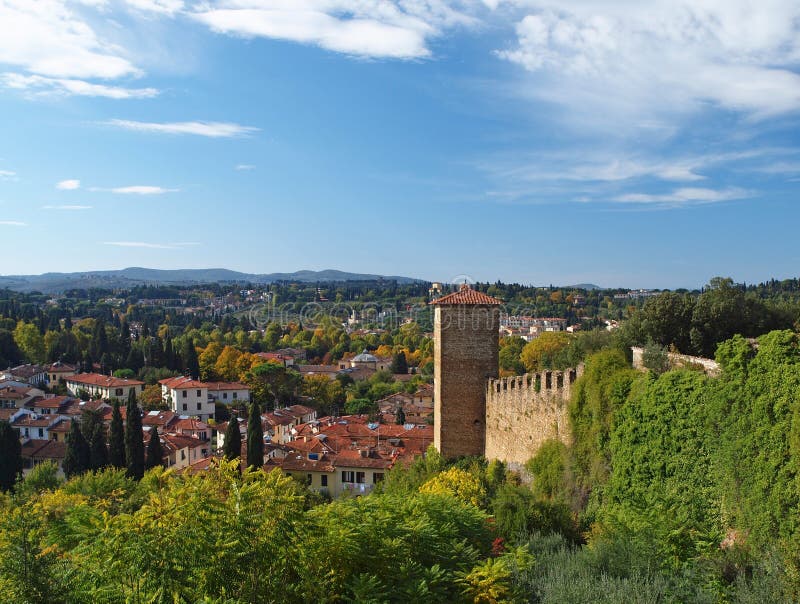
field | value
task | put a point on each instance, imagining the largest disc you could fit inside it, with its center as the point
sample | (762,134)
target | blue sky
(522,140)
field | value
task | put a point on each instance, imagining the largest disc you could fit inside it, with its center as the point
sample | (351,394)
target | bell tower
(466,347)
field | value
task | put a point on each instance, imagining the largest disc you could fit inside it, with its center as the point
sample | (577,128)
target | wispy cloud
(209,129)
(61,86)
(66,207)
(7,175)
(623,62)
(141,190)
(163,7)
(13,223)
(685,197)
(69,185)
(242,167)
(389,29)
(149,245)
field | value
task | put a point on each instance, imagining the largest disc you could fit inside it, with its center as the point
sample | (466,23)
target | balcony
(357,488)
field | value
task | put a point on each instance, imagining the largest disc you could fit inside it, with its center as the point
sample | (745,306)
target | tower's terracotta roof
(466,295)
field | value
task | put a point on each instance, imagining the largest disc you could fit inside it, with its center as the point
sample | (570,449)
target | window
(198,394)
(309,479)
(183,454)
(324,480)
(185,407)
(377,477)
(348,476)
(41,432)
(224,395)
(183,393)
(118,392)
(199,406)
(361,477)
(235,395)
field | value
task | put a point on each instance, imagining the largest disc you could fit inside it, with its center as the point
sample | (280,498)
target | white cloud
(45,85)
(67,207)
(140,190)
(13,223)
(69,184)
(141,244)
(164,7)
(148,245)
(209,129)
(628,60)
(242,167)
(47,38)
(684,197)
(7,174)
(380,29)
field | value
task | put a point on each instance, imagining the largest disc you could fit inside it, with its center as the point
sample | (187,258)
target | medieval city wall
(525,410)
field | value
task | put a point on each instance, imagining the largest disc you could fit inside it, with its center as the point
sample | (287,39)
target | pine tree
(400,416)
(191,364)
(10,456)
(155,454)
(233,439)
(116,444)
(255,437)
(77,458)
(134,441)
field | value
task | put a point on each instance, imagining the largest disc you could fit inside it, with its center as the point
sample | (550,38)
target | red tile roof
(182,381)
(227,386)
(466,296)
(103,381)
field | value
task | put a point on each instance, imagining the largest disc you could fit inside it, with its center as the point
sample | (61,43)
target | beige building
(103,386)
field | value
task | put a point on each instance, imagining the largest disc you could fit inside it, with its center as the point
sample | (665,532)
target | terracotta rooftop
(104,381)
(466,296)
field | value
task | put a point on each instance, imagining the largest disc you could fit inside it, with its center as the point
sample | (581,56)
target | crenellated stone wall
(525,410)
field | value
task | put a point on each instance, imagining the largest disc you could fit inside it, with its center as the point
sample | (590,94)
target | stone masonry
(525,410)
(474,412)
(466,333)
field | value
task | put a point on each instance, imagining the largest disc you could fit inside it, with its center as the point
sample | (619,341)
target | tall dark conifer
(400,417)
(10,456)
(255,437)
(155,454)
(116,439)
(232,448)
(191,365)
(134,440)
(95,434)
(77,458)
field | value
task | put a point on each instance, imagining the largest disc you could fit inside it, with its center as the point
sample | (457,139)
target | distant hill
(132,276)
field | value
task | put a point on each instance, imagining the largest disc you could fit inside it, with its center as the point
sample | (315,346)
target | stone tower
(466,333)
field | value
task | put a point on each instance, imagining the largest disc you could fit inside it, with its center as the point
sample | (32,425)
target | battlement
(523,411)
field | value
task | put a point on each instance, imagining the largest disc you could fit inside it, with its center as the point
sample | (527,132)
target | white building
(186,396)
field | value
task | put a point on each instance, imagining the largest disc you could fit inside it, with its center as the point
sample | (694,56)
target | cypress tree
(255,437)
(134,441)
(116,444)
(98,449)
(77,458)
(10,456)
(400,416)
(191,364)
(232,448)
(399,363)
(95,434)
(155,454)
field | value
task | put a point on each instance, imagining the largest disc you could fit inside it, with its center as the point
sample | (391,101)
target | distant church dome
(364,357)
